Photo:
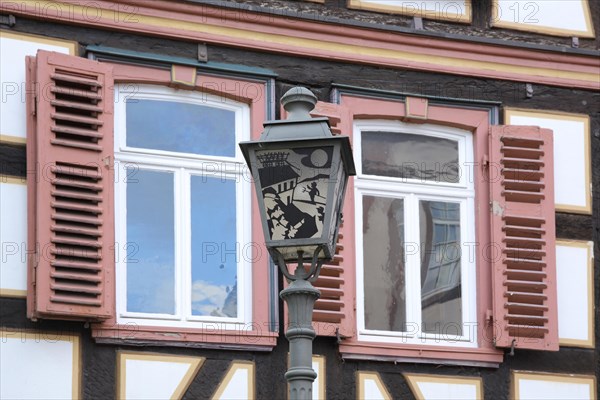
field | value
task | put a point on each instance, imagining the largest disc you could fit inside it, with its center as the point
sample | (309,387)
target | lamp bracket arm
(279,260)
(315,268)
(300,273)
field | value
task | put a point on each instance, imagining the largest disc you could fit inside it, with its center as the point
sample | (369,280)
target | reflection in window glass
(180,127)
(384,278)
(150,242)
(440,267)
(214,247)
(408,156)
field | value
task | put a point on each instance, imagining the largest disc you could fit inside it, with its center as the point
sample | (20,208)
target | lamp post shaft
(300,297)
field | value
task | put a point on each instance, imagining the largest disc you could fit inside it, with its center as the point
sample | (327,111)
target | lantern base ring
(301,273)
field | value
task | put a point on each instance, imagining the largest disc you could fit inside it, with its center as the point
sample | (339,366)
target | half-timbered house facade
(133,262)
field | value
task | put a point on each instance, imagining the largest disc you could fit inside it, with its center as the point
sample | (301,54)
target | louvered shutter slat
(75,276)
(524,271)
(329,305)
(75,105)
(93,83)
(77,230)
(77,132)
(76,144)
(329,281)
(88,94)
(76,218)
(75,118)
(76,264)
(76,195)
(73,134)
(75,300)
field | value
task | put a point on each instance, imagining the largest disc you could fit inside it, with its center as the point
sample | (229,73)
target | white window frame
(183,166)
(413,190)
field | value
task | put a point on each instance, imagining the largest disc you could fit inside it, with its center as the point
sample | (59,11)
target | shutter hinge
(485,162)
(35,101)
(108,163)
(489,317)
(35,265)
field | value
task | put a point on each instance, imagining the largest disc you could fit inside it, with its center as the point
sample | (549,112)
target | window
(414,224)
(182,209)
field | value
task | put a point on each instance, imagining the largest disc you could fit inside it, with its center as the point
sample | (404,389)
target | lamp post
(300,172)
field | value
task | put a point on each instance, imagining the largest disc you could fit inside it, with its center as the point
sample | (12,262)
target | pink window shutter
(71,274)
(523,235)
(334,311)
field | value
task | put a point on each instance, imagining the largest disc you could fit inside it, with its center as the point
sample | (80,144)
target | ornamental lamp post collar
(300,173)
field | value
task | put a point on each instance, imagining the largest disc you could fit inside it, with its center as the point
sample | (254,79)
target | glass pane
(180,127)
(294,186)
(214,247)
(150,242)
(407,156)
(440,267)
(384,278)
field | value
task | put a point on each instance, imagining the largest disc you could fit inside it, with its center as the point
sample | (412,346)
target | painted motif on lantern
(294,187)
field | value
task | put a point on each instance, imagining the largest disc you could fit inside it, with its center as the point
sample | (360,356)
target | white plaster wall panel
(434,387)
(553,386)
(13,238)
(318,389)
(238,382)
(13,50)
(548,16)
(155,376)
(39,366)
(439,9)
(571,156)
(153,379)
(370,386)
(575,298)
(447,391)
(372,390)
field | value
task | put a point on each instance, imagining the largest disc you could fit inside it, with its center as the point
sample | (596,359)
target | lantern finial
(298,102)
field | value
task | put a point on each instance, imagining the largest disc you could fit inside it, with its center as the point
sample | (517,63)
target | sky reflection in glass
(150,242)
(214,247)
(180,127)
(441,297)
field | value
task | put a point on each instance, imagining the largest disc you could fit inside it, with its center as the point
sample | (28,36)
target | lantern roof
(298,102)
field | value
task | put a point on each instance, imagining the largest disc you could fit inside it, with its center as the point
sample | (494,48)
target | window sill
(430,354)
(252,337)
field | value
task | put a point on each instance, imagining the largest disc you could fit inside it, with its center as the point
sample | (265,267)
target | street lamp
(300,172)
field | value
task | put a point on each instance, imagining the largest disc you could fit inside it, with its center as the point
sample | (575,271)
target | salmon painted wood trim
(330,41)
(70,148)
(476,121)
(256,335)
(521,170)
(333,313)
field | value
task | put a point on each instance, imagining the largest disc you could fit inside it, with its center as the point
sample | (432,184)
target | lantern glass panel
(294,189)
(340,183)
